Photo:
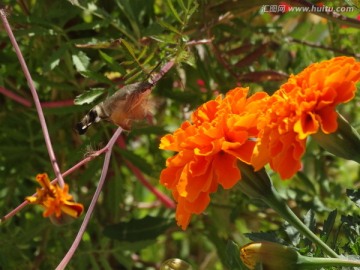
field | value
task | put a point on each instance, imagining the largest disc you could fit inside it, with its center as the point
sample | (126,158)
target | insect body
(125,105)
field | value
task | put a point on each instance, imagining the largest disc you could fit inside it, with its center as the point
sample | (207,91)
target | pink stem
(163,71)
(27,103)
(86,220)
(57,104)
(161,197)
(15,97)
(35,97)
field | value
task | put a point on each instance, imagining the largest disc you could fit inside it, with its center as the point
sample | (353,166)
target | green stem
(316,263)
(258,185)
(275,202)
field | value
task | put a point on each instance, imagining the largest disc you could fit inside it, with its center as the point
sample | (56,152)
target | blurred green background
(85,50)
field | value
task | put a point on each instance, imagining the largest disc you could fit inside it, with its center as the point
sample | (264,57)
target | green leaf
(329,223)
(270,236)
(106,57)
(181,3)
(138,230)
(96,76)
(233,256)
(129,48)
(354,195)
(80,61)
(174,12)
(54,59)
(169,27)
(88,96)
(112,63)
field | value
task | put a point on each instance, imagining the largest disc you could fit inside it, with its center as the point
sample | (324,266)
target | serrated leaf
(293,234)
(354,195)
(310,220)
(80,61)
(88,96)
(138,230)
(329,223)
(270,236)
(351,226)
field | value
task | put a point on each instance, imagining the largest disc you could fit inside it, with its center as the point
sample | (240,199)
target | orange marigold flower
(56,200)
(208,148)
(302,106)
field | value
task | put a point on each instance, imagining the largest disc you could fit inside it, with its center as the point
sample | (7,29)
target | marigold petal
(205,113)
(261,153)
(191,182)
(43,180)
(169,176)
(167,141)
(31,199)
(328,119)
(211,148)
(226,169)
(306,125)
(72,209)
(182,216)
(185,209)
(288,161)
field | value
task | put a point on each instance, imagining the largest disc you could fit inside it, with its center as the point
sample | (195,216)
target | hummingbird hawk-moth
(127,104)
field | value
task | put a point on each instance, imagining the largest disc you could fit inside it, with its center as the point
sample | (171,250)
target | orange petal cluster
(256,130)
(208,147)
(303,105)
(56,200)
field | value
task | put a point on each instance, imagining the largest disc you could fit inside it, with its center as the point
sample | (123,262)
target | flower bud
(270,256)
(273,256)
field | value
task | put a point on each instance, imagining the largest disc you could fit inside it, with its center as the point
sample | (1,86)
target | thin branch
(319,46)
(35,97)
(162,71)
(163,198)
(15,97)
(71,170)
(86,220)
(27,103)
(58,103)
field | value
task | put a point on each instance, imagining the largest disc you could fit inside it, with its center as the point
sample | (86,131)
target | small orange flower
(208,148)
(56,200)
(302,106)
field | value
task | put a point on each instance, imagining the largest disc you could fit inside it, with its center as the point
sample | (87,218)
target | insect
(125,105)
(129,103)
